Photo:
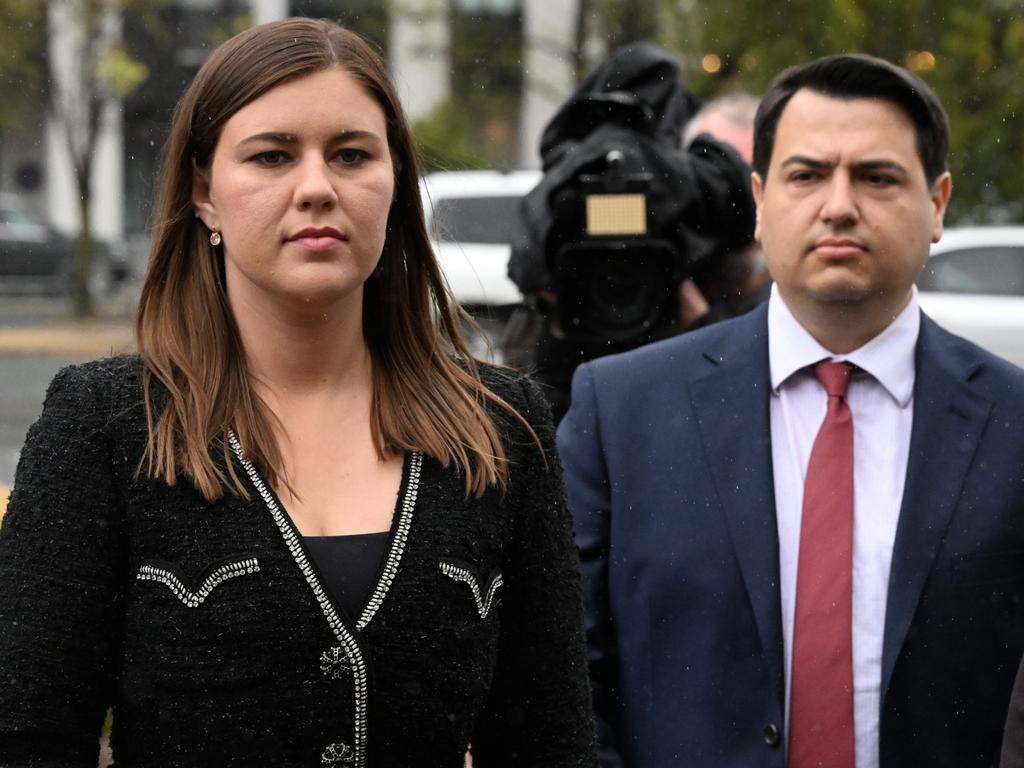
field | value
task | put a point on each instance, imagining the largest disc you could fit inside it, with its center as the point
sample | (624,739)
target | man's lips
(317,238)
(838,248)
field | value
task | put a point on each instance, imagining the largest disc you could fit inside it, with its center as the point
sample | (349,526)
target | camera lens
(625,296)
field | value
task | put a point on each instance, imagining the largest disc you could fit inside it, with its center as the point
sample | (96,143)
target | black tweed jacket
(206,627)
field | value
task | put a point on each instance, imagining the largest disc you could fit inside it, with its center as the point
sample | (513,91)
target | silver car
(473,217)
(973,285)
(35,258)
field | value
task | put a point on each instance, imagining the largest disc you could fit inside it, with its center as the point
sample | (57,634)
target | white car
(472,217)
(973,285)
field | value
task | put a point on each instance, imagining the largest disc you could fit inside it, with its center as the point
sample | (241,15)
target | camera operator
(728,118)
(628,237)
(741,281)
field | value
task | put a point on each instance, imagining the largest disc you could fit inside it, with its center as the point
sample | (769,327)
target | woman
(297,529)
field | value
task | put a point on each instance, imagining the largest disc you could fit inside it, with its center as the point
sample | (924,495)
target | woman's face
(300,186)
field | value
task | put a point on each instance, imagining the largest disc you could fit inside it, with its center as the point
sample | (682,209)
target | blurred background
(87,88)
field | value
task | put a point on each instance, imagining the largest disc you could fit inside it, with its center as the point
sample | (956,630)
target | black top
(206,628)
(349,566)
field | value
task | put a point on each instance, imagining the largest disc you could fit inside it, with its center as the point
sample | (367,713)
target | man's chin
(839,294)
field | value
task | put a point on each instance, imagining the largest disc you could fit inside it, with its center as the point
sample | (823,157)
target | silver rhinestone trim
(483,604)
(187,596)
(397,545)
(338,754)
(334,663)
(345,638)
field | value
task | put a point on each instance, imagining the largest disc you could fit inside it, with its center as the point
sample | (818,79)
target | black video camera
(624,213)
(614,277)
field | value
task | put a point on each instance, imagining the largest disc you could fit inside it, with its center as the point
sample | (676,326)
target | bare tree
(90,71)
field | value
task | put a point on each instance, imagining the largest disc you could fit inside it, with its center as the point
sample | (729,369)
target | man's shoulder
(973,363)
(687,351)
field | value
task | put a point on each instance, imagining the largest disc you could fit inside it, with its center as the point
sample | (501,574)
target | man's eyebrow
(862,166)
(881,165)
(277,137)
(810,162)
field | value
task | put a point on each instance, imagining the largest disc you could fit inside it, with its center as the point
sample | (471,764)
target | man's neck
(842,327)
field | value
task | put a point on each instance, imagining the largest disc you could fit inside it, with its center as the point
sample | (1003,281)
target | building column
(549,32)
(263,11)
(66,48)
(419,37)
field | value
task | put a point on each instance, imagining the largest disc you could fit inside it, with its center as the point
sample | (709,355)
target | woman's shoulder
(107,369)
(526,397)
(96,386)
(108,373)
(516,388)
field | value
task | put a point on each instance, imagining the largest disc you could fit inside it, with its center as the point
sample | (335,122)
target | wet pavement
(37,339)
(40,326)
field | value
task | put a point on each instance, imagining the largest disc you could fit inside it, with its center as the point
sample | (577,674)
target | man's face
(845,214)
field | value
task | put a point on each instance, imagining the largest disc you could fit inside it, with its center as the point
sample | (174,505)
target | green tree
(446,140)
(486,59)
(972,54)
(22,70)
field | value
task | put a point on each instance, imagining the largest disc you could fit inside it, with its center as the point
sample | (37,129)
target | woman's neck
(296,352)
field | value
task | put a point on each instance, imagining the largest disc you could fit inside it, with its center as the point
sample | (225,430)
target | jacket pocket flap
(215,576)
(484,597)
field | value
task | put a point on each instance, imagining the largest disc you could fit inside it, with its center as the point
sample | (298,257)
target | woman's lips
(318,238)
(317,242)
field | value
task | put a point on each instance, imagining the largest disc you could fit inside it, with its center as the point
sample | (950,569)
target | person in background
(728,118)
(303,526)
(741,282)
(801,529)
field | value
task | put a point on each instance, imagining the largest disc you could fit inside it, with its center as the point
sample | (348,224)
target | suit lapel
(949,418)
(731,401)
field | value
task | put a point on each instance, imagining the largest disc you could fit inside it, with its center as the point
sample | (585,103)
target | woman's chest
(235,577)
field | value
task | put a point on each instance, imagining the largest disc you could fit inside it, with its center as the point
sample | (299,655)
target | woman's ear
(201,199)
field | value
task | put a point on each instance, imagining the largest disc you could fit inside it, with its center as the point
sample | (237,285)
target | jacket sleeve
(538,712)
(1012,755)
(586,481)
(60,584)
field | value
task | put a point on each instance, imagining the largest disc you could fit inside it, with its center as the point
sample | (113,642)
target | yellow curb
(92,338)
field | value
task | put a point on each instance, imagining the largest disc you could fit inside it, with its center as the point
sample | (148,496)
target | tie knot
(835,377)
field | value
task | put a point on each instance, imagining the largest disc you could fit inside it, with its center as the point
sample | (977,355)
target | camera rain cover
(633,104)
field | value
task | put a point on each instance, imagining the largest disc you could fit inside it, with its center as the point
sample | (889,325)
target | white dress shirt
(880,397)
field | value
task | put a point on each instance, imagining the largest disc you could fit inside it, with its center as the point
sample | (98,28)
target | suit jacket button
(771,734)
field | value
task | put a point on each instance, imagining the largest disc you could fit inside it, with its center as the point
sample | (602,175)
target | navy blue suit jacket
(668,466)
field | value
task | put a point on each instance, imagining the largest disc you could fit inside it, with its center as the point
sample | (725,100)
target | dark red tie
(821,695)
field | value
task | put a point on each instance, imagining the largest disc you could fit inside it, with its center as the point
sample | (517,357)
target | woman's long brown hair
(427,393)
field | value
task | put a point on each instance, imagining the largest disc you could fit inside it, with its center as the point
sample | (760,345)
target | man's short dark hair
(857,76)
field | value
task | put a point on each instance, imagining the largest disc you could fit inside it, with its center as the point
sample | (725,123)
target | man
(728,118)
(740,281)
(789,563)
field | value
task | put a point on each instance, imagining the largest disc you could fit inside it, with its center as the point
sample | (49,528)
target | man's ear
(201,199)
(757,188)
(941,191)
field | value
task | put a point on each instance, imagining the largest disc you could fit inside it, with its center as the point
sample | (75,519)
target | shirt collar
(888,357)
